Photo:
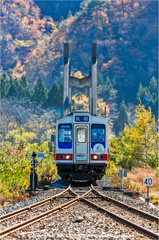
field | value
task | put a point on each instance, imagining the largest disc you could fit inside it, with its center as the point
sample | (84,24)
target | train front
(81,146)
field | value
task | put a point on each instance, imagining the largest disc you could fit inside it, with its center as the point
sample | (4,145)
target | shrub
(153,161)
(15,168)
(157,171)
(113,174)
(131,186)
(154,199)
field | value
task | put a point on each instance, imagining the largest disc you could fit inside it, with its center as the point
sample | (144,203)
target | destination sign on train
(65,126)
(81,118)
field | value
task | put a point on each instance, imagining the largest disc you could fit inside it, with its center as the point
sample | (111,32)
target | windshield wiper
(94,139)
(68,141)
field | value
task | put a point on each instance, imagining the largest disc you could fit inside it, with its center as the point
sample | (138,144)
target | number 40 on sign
(148,181)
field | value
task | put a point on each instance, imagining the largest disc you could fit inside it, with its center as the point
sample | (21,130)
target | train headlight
(68,156)
(95,156)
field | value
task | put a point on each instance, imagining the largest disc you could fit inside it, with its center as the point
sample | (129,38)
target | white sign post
(122,173)
(148,181)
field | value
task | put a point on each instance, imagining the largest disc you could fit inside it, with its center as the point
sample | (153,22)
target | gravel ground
(59,186)
(62,225)
(133,217)
(14,220)
(137,203)
(40,195)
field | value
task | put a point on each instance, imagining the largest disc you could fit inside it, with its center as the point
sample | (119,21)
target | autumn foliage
(137,145)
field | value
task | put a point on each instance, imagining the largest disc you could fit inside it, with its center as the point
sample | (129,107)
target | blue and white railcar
(81,146)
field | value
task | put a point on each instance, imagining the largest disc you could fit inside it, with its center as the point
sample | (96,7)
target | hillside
(31,83)
(126,33)
(56,10)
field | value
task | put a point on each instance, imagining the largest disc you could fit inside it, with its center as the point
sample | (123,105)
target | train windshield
(98,133)
(65,133)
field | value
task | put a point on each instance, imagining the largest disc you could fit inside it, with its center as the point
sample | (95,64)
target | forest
(31,79)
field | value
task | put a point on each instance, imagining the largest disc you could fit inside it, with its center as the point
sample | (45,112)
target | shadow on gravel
(60,184)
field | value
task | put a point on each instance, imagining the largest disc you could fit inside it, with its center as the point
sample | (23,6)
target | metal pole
(33,182)
(33,177)
(122,182)
(66,80)
(147,195)
(94,78)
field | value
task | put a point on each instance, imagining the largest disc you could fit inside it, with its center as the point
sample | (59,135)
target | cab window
(98,133)
(65,136)
(81,135)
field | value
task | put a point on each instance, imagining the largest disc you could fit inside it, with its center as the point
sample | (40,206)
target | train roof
(81,117)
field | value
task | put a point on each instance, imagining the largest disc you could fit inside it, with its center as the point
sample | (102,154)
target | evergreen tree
(113,82)
(40,92)
(153,99)
(100,80)
(143,95)
(23,82)
(153,85)
(140,92)
(24,88)
(122,118)
(10,81)
(20,91)
(108,83)
(53,95)
(4,86)
(69,14)
(16,82)
(12,91)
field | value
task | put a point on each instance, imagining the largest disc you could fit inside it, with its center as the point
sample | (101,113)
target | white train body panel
(81,146)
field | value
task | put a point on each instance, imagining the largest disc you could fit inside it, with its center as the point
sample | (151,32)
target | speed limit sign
(148,181)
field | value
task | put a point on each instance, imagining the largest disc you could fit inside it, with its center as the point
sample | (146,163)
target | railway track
(85,198)
(127,208)
(119,218)
(26,210)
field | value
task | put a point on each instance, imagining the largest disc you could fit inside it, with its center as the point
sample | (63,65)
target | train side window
(65,133)
(98,133)
(81,135)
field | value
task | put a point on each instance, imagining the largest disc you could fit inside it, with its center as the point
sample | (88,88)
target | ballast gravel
(62,225)
(125,213)
(137,203)
(26,215)
(41,195)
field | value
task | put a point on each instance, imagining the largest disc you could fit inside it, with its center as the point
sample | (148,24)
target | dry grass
(136,176)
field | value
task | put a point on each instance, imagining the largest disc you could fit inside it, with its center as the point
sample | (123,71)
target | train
(81,150)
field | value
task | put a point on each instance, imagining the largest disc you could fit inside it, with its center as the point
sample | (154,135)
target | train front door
(81,143)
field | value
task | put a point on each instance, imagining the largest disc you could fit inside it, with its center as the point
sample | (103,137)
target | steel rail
(39,217)
(143,213)
(121,219)
(84,195)
(78,198)
(3,217)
